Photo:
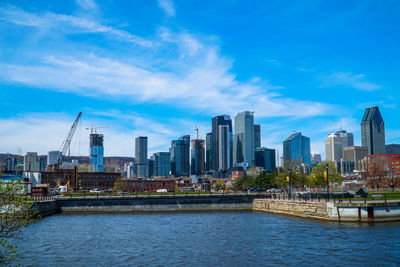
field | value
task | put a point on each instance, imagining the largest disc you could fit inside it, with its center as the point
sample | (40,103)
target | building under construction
(96,152)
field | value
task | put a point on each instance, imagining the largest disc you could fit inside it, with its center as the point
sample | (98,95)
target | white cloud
(87,4)
(356,81)
(184,70)
(167,6)
(43,132)
(67,24)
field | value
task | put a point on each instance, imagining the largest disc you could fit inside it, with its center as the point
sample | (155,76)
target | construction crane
(93,129)
(65,146)
(197,127)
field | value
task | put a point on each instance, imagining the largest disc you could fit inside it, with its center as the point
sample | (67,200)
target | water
(204,239)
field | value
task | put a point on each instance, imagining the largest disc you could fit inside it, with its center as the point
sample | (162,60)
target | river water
(204,239)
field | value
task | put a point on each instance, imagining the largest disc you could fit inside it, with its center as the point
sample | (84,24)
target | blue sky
(159,68)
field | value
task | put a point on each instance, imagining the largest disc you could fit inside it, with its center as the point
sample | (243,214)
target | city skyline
(152,70)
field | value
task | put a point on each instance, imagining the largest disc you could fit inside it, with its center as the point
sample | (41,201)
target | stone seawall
(46,208)
(316,210)
(155,204)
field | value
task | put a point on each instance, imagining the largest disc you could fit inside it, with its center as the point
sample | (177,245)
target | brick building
(379,170)
(142,185)
(85,181)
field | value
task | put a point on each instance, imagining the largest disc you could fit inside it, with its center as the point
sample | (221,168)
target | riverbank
(372,211)
(356,211)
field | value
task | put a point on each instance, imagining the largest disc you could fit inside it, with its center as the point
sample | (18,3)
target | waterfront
(204,239)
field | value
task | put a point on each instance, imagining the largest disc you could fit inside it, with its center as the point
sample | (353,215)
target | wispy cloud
(191,74)
(48,130)
(168,7)
(67,24)
(347,79)
(87,4)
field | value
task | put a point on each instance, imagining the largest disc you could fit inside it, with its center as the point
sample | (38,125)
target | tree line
(278,180)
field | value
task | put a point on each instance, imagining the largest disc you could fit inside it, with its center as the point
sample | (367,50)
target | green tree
(219,185)
(265,180)
(120,185)
(295,179)
(244,182)
(15,212)
(317,176)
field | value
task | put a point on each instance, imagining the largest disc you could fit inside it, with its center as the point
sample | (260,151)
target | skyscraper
(217,121)
(197,157)
(141,162)
(224,148)
(373,131)
(243,143)
(257,135)
(162,164)
(31,162)
(296,150)
(96,152)
(11,162)
(335,144)
(208,152)
(333,148)
(346,139)
(316,158)
(265,158)
(180,154)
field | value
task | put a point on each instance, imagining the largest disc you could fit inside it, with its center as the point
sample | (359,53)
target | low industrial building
(84,181)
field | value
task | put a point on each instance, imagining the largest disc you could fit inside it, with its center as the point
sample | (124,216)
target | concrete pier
(372,211)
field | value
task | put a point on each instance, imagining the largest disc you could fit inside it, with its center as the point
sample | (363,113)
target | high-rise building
(197,157)
(150,164)
(393,149)
(373,131)
(296,150)
(224,148)
(355,153)
(346,139)
(142,164)
(130,170)
(257,135)
(216,122)
(265,158)
(11,162)
(31,162)
(180,156)
(208,166)
(335,144)
(243,143)
(96,152)
(162,164)
(54,157)
(333,148)
(316,158)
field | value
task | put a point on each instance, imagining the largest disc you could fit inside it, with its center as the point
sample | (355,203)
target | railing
(85,194)
(336,197)
(41,198)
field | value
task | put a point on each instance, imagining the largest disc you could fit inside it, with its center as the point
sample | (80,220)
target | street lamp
(326,176)
(288,178)
(392,179)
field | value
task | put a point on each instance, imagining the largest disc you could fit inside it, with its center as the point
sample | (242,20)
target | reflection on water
(204,239)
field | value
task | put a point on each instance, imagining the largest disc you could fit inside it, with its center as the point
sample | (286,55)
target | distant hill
(113,162)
